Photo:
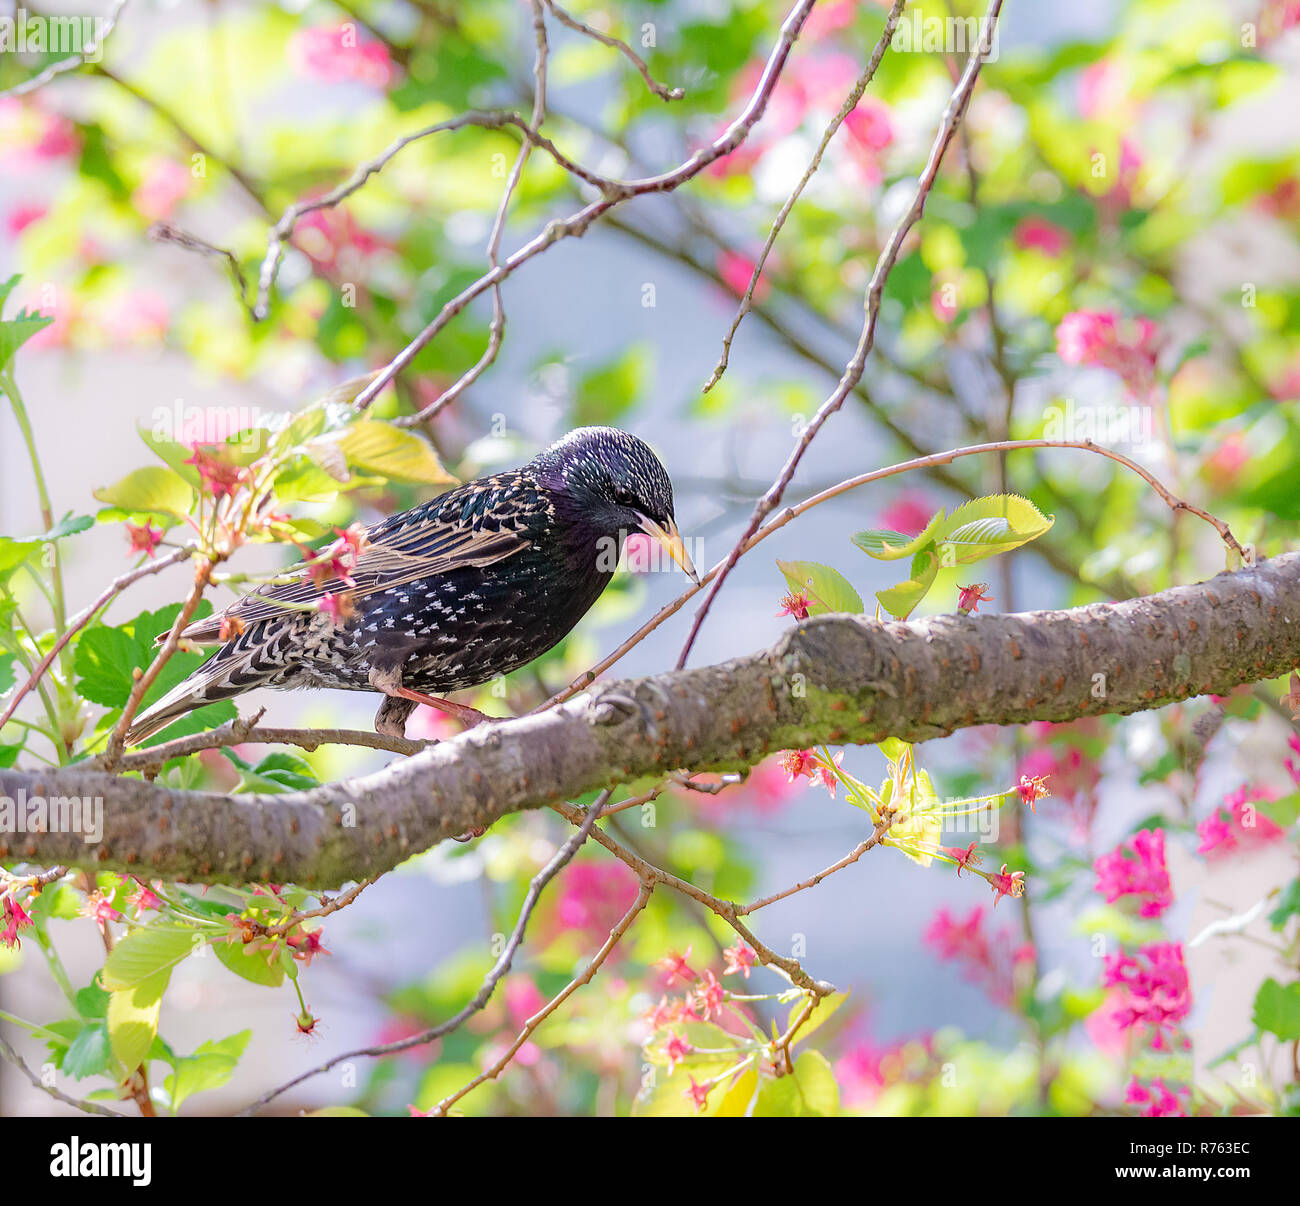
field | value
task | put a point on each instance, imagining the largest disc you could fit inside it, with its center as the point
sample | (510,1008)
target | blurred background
(1111,244)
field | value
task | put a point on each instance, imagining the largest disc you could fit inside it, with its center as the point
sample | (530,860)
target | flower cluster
(1136,867)
(1237,824)
(1102,338)
(994,961)
(1152,990)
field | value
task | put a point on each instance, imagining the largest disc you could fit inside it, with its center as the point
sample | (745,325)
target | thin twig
(953,113)
(613,193)
(93,47)
(850,103)
(662,91)
(559,860)
(87,1107)
(82,618)
(585,679)
(585,977)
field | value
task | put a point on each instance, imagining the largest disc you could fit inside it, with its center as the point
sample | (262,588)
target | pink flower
(870,124)
(799,762)
(1136,867)
(825,775)
(988,960)
(970,597)
(21,216)
(964,858)
(1237,824)
(339,607)
(15,918)
(218,476)
(1153,987)
(144,897)
(1032,789)
(736,271)
(306,946)
(908,513)
(1293,767)
(739,959)
(166,183)
(708,998)
(698,1093)
(1101,338)
(1004,884)
(144,537)
(795,605)
(339,54)
(1041,235)
(676,1049)
(674,967)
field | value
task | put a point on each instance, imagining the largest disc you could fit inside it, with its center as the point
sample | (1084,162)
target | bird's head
(618,486)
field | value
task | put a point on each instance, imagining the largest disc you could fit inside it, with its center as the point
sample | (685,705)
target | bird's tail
(229,672)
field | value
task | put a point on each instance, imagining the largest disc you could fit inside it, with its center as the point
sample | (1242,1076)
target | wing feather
(462,529)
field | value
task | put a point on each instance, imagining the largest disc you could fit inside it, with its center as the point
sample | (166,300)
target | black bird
(472,584)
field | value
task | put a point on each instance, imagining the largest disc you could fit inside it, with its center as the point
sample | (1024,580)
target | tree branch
(836,679)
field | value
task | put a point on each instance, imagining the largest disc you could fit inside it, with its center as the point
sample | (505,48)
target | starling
(470,585)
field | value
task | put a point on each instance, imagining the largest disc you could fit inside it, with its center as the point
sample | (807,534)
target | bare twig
(613,193)
(953,113)
(82,618)
(662,91)
(585,977)
(86,1107)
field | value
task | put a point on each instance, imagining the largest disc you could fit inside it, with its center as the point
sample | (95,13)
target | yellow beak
(671,539)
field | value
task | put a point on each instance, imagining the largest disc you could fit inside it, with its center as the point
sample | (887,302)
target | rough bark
(836,679)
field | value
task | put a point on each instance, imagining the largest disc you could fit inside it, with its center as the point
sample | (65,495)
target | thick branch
(837,679)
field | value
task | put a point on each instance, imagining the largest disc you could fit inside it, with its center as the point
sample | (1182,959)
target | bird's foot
(400,701)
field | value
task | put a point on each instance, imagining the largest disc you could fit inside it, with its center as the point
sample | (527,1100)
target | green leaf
(894,546)
(211,1066)
(90,1053)
(816,1081)
(69,525)
(139,957)
(133,1019)
(252,965)
(828,589)
(376,447)
(91,1001)
(1277,1009)
(14,552)
(982,527)
(900,600)
(16,331)
(154,490)
(819,1017)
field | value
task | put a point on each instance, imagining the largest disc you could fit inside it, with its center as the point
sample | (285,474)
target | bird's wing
(473,526)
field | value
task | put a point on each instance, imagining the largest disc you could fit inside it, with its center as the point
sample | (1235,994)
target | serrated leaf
(16,331)
(14,552)
(996,523)
(69,525)
(376,447)
(154,490)
(90,1053)
(827,589)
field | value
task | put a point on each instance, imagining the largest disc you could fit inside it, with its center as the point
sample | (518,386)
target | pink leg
(468,716)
